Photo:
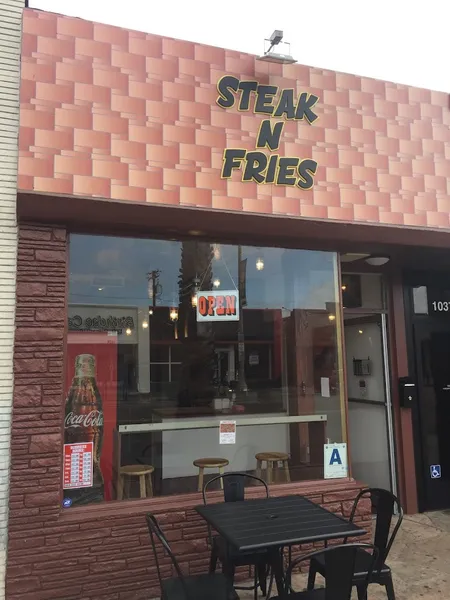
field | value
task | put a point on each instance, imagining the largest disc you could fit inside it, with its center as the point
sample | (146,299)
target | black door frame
(412,279)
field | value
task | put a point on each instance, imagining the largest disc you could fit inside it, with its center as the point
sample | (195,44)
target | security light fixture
(277,57)
(275,38)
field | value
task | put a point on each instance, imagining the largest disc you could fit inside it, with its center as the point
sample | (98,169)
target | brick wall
(119,114)
(10,43)
(100,552)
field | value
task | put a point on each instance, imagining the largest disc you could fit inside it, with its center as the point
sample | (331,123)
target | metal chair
(195,587)
(234,491)
(385,504)
(340,565)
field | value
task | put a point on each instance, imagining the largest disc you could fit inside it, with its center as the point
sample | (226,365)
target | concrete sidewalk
(419,560)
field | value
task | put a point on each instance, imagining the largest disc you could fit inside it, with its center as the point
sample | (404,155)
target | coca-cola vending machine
(90,416)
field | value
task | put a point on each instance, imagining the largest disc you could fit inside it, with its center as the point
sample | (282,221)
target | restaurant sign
(268,100)
(218,306)
(100,323)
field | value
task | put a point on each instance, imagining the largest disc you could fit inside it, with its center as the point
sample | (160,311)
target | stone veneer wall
(100,552)
(10,46)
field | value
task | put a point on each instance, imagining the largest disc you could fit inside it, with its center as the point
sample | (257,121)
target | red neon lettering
(231,305)
(202,306)
(220,305)
(211,305)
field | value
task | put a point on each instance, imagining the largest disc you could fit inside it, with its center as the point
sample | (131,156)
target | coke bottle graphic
(84,423)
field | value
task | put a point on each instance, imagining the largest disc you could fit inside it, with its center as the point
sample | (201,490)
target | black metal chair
(340,565)
(385,504)
(234,491)
(195,587)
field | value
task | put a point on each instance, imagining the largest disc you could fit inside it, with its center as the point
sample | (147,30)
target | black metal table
(273,523)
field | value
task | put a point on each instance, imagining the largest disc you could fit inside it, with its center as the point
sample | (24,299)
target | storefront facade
(193,225)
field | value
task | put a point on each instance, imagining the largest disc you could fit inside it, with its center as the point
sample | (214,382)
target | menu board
(78,465)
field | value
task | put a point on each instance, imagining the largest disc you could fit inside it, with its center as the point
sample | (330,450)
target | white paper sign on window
(218,306)
(227,432)
(335,461)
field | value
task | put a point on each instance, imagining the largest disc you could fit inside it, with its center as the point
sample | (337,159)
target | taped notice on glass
(227,432)
(78,465)
(335,461)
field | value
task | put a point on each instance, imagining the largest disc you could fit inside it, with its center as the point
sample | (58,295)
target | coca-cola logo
(92,419)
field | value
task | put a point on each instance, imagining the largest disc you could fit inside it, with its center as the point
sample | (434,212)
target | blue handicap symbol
(435,471)
(335,457)
(67,503)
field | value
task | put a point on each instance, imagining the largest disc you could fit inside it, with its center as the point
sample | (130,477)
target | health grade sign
(217,306)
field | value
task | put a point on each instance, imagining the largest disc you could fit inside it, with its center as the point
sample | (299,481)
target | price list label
(78,465)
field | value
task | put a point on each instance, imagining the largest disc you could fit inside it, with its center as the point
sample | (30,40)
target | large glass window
(169,339)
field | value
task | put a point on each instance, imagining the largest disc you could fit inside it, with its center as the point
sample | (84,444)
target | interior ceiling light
(377,261)
(349,257)
(277,57)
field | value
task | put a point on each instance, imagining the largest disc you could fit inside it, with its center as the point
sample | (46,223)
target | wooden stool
(272,459)
(144,472)
(209,463)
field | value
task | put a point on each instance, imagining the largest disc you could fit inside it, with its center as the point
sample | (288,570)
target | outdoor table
(273,523)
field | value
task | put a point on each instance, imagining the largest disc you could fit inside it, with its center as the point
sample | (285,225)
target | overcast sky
(405,41)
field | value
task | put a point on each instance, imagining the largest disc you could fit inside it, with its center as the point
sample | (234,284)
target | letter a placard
(335,461)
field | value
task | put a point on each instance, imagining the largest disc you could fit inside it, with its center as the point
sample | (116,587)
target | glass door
(432,353)
(369,414)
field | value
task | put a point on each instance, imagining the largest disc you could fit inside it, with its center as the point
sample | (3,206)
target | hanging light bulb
(173,313)
(259,264)
(128,331)
(216,283)
(216,251)
(194,298)
(144,324)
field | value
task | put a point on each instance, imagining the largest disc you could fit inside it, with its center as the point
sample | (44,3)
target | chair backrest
(386,504)
(339,567)
(234,486)
(156,534)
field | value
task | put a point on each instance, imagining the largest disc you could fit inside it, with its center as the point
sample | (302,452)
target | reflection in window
(420,300)
(133,306)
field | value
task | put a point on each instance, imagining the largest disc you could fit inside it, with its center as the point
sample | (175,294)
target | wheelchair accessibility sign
(435,471)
